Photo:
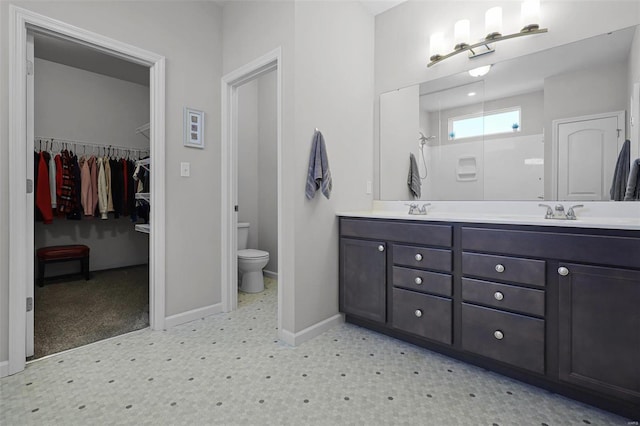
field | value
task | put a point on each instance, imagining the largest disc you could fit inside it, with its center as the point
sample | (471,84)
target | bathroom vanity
(556,306)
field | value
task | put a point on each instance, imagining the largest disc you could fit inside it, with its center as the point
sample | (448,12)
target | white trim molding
(229,90)
(21,250)
(295,339)
(193,315)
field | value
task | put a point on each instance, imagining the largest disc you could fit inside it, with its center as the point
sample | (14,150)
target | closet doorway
(22,147)
(90,116)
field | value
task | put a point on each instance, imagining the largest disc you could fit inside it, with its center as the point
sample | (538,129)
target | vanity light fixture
(530,17)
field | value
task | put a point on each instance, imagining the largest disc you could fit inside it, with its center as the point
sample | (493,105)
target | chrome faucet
(571,215)
(559,213)
(414,209)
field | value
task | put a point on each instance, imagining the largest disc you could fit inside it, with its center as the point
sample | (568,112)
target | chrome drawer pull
(498,295)
(498,335)
(563,271)
(418,280)
(418,257)
(418,313)
(380,247)
(499,268)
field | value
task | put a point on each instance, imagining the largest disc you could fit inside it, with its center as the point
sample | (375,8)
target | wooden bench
(62,254)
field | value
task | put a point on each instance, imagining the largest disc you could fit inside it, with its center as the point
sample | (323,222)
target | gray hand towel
(318,175)
(413,180)
(621,173)
(633,185)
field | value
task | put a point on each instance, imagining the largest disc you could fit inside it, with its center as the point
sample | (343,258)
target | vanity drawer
(423,315)
(503,268)
(423,281)
(519,299)
(510,338)
(394,230)
(421,257)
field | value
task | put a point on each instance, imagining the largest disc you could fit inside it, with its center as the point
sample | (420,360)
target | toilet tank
(243,235)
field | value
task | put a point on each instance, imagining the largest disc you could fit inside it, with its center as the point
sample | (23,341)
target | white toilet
(250,263)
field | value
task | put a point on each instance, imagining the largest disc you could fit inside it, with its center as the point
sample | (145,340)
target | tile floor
(229,369)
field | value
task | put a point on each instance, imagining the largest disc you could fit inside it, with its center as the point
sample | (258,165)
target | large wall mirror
(546,126)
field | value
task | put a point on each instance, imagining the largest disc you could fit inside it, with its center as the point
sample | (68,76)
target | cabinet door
(363,268)
(600,329)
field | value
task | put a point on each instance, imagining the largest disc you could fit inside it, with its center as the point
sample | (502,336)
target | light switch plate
(369,187)
(185,169)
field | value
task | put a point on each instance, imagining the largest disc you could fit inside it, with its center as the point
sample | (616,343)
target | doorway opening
(89,112)
(263,73)
(21,152)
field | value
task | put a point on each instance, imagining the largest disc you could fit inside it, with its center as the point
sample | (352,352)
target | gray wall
(74,104)
(327,82)
(189,35)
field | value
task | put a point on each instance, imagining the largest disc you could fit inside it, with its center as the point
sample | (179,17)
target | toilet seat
(252,254)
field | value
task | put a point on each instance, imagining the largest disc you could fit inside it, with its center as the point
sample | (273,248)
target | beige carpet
(69,314)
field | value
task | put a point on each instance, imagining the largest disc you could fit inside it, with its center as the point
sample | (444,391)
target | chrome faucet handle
(559,208)
(571,215)
(412,207)
(423,209)
(549,212)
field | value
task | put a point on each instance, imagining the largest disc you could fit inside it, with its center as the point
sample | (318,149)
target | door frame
(21,249)
(229,172)
(555,144)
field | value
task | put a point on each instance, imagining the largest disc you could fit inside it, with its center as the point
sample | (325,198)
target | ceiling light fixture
(480,71)
(530,17)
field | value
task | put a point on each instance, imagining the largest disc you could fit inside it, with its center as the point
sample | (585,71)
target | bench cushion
(76,251)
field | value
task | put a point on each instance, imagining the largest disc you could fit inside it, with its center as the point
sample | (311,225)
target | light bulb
(436,45)
(530,15)
(493,22)
(461,32)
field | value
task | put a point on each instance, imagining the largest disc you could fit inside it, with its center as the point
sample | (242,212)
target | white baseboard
(295,339)
(270,274)
(192,315)
(4,368)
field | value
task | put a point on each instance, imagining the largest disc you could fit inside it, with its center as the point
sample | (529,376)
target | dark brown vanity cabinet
(557,307)
(363,279)
(599,344)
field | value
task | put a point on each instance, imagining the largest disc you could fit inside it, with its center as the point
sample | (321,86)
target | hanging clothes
(93,173)
(43,189)
(116,187)
(52,181)
(86,198)
(102,189)
(68,193)
(107,176)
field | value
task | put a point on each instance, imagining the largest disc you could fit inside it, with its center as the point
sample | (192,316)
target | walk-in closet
(91,183)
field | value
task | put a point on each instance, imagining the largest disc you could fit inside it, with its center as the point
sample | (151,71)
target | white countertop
(594,215)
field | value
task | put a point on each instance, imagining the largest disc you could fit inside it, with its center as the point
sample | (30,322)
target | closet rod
(83,143)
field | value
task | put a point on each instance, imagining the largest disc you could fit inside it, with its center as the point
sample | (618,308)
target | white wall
(633,89)
(75,104)
(268,169)
(189,35)
(248,143)
(399,126)
(257,164)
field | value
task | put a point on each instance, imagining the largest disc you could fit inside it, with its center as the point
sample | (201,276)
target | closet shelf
(143,130)
(143,227)
(143,196)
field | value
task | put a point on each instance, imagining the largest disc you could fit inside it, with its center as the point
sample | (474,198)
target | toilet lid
(252,254)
